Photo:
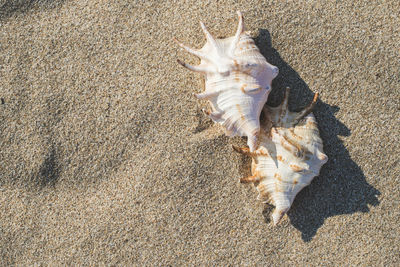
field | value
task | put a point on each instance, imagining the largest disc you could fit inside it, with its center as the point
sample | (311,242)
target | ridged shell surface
(289,156)
(237,82)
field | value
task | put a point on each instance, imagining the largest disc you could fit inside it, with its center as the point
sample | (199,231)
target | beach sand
(107,159)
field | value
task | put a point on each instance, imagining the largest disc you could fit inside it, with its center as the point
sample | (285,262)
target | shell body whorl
(237,82)
(289,156)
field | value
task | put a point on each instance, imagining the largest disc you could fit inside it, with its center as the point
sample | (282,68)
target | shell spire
(289,156)
(237,81)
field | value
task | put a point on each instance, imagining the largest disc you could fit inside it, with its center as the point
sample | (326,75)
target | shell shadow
(341,187)
(10,7)
(203,122)
(49,171)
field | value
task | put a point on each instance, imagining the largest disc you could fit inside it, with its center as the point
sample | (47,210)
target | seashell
(289,156)
(237,81)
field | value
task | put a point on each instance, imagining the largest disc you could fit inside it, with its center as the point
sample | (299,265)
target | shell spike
(322,157)
(238,32)
(190,50)
(252,142)
(212,115)
(284,106)
(305,111)
(192,68)
(206,95)
(250,179)
(209,37)
(240,28)
(275,71)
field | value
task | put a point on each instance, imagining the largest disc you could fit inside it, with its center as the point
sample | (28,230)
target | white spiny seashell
(289,156)
(237,81)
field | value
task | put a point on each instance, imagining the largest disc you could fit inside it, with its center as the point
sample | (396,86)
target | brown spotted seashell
(289,156)
(237,81)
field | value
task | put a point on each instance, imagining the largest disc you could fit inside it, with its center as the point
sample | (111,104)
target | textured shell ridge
(289,156)
(237,81)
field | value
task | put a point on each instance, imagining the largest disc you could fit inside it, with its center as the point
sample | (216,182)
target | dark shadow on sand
(203,122)
(11,7)
(50,170)
(341,187)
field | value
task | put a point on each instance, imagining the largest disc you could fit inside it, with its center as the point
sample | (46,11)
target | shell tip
(275,71)
(236,148)
(252,142)
(278,214)
(316,95)
(322,157)
(205,111)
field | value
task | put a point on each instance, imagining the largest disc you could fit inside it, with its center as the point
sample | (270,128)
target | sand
(106,158)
